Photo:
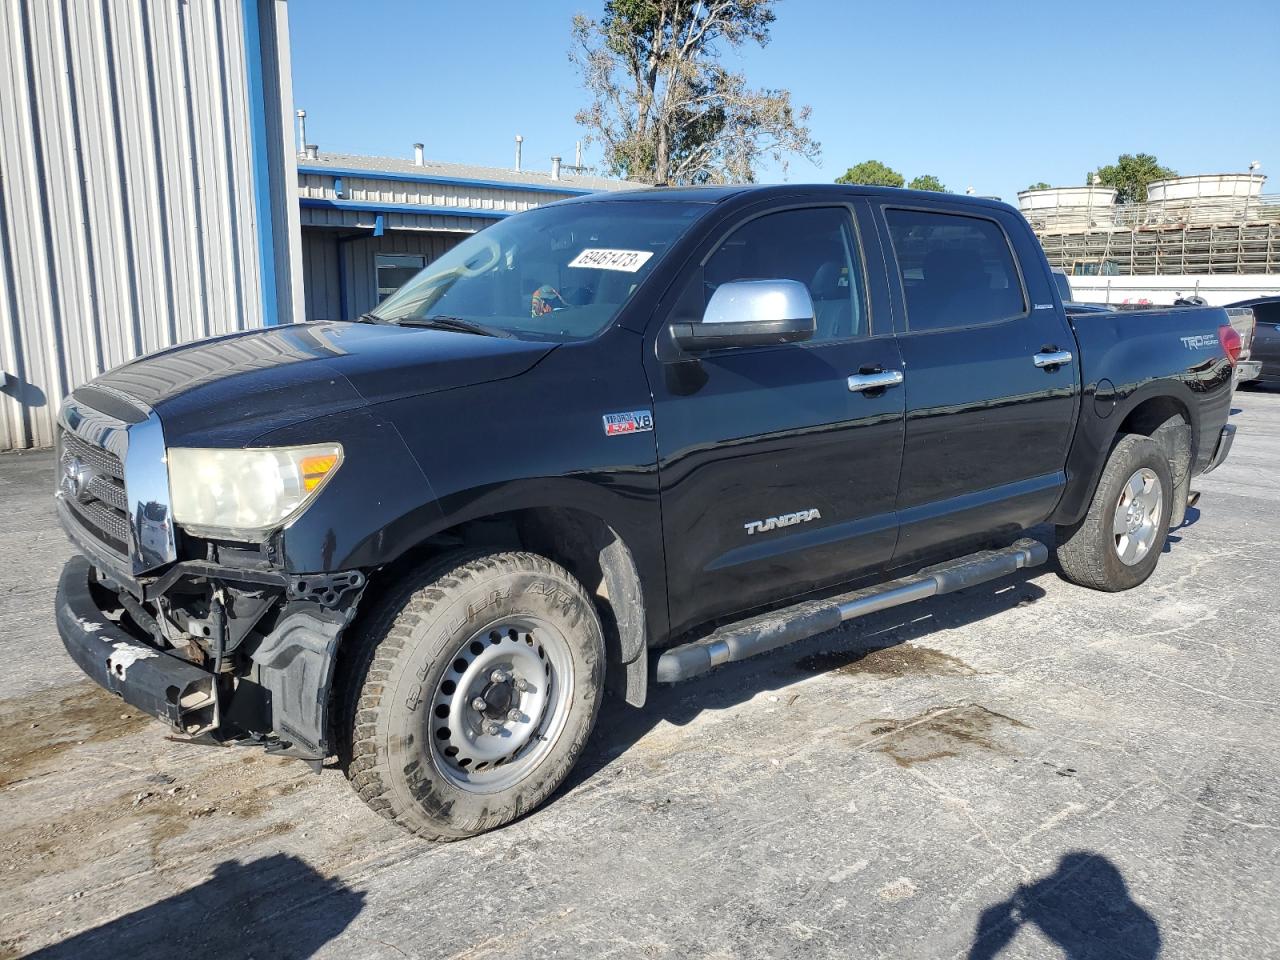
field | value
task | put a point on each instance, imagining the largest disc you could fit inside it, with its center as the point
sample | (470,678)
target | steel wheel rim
(1136,523)
(489,749)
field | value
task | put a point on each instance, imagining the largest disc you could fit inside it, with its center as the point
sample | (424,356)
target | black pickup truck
(609,441)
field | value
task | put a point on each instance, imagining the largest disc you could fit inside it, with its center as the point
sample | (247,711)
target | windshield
(554,273)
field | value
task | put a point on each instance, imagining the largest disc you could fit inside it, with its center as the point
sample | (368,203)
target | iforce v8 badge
(634,421)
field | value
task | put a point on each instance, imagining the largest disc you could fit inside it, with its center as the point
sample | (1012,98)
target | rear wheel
(478,687)
(1118,543)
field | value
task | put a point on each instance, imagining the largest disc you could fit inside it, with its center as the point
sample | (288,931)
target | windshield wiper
(369,318)
(454,323)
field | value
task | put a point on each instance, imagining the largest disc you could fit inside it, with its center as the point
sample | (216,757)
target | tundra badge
(786,520)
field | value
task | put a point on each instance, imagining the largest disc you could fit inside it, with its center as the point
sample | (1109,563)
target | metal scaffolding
(1235,235)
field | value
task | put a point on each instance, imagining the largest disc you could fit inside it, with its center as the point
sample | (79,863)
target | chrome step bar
(769,631)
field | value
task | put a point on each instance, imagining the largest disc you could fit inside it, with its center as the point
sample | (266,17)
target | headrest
(826,283)
(958,267)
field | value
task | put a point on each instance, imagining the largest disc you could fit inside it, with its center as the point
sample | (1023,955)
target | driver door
(777,477)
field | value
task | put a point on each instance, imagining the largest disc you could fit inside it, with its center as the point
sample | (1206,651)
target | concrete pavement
(1025,769)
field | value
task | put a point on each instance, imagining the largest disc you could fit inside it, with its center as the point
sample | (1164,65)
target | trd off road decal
(1199,343)
(634,421)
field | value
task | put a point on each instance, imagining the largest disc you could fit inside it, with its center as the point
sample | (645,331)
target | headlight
(244,494)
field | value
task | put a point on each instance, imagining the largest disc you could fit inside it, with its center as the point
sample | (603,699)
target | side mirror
(751,313)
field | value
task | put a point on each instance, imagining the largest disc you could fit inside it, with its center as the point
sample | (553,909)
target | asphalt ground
(1024,769)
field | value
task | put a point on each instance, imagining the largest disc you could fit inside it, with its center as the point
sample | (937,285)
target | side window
(1266,313)
(956,270)
(817,247)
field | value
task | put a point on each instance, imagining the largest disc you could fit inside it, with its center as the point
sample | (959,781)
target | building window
(395,270)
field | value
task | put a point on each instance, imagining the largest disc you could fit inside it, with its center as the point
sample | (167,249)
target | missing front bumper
(277,695)
(154,681)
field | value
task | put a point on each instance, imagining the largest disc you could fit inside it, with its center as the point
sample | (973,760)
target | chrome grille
(109,491)
(98,502)
(104,462)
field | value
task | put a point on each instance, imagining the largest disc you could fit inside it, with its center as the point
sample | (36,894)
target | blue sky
(994,95)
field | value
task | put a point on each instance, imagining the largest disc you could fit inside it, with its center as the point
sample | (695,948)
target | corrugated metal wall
(321,250)
(129,159)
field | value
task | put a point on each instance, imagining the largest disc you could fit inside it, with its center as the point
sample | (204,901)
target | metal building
(147,188)
(370,223)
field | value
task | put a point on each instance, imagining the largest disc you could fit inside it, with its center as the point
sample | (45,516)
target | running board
(769,631)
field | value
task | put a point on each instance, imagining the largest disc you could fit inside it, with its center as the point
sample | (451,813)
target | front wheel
(479,684)
(1118,543)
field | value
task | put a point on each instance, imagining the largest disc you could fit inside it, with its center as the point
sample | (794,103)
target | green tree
(927,181)
(663,106)
(872,172)
(1041,185)
(1130,175)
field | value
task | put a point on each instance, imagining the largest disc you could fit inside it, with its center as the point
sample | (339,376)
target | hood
(231,389)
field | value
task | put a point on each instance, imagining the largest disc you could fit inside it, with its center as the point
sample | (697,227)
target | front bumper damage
(267,684)
(154,681)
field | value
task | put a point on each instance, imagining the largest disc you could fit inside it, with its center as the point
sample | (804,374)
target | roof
(718,193)
(351,164)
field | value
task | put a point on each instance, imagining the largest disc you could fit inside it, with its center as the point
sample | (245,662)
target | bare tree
(664,108)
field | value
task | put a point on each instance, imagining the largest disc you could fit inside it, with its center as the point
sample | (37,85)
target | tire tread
(380,644)
(1081,547)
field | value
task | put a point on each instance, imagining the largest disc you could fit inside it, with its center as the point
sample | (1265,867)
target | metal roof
(393,167)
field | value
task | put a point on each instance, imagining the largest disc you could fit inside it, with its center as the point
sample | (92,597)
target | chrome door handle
(1054,358)
(860,382)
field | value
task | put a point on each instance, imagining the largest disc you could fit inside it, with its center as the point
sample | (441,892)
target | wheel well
(1167,422)
(592,551)
(1150,415)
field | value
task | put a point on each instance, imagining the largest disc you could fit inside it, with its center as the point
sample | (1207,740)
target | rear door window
(956,270)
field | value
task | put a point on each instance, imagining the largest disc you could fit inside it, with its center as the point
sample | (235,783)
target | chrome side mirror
(751,313)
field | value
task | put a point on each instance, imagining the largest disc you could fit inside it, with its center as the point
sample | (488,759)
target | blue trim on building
(418,208)
(261,159)
(431,178)
(379,225)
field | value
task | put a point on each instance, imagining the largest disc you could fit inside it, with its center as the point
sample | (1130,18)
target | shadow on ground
(1083,908)
(1193,515)
(276,907)
(856,643)
(883,644)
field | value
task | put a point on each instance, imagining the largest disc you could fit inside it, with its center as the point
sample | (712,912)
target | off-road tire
(405,644)
(1086,550)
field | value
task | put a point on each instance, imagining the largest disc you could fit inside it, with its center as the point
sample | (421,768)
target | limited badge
(636,421)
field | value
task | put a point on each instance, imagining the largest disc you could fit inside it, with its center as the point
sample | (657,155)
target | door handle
(861,382)
(1052,358)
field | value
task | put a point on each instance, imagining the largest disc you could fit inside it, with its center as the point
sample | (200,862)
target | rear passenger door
(777,478)
(987,428)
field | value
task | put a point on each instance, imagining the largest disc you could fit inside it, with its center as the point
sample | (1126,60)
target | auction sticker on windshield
(600,258)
